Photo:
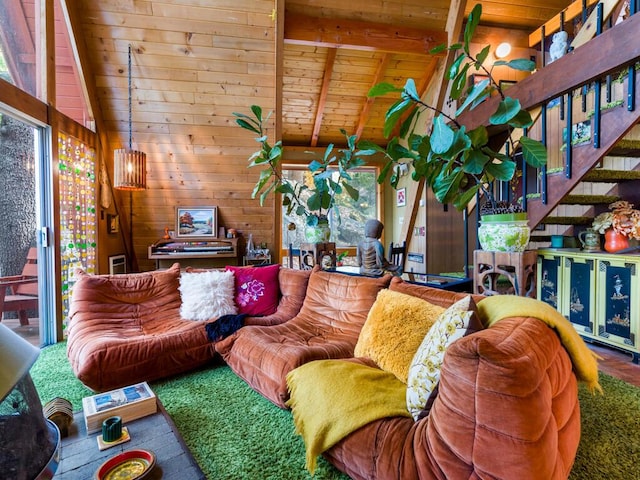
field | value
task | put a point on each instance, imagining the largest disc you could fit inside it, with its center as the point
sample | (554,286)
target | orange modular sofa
(507,404)
(125,329)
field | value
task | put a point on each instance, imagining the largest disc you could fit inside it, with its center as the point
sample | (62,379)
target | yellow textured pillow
(394,329)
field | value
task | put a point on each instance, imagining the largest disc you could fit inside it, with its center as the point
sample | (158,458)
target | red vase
(614,241)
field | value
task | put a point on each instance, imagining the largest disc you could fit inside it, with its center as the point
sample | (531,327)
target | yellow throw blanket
(332,398)
(497,307)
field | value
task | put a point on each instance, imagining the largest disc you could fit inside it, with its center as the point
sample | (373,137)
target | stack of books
(129,403)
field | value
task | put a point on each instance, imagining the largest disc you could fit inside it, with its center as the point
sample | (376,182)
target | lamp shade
(130,169)
(16,357)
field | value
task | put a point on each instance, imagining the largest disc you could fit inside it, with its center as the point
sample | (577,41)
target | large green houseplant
(329,176)
(457,163)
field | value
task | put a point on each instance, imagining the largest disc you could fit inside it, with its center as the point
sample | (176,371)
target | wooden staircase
(600,187)
(604,55)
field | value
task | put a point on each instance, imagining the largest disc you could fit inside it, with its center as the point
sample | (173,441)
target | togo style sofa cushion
(507,408)
(124,329)
(334,310)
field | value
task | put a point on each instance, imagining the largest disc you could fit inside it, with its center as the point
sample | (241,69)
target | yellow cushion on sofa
(394,329)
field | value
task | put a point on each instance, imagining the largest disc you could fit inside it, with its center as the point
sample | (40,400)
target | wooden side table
(315,253)
(511,273)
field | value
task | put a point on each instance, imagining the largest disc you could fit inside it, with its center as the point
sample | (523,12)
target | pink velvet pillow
(257,290)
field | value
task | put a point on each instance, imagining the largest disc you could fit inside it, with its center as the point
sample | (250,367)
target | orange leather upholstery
(507,408)
(125,329)
(334,310)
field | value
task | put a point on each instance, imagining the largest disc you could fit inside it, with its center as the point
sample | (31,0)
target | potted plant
(457,163)
(618,225)
(328,177)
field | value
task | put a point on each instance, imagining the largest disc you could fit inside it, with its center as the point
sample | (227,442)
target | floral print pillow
(455,322)
(257,291)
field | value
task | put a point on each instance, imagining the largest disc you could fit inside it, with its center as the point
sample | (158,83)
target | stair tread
(588,199)
(626,148)
(600,175)
(551,220)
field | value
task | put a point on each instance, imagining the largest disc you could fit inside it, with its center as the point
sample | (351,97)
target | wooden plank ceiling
(335,51)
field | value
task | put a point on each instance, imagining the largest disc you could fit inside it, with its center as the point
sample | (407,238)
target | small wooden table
(80,457)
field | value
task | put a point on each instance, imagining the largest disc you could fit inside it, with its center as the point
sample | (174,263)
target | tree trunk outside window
(17,194)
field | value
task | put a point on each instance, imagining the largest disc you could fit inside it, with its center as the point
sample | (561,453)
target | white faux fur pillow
(207,295)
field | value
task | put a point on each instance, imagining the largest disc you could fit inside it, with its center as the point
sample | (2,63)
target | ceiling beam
(324,90)
(357,35)
(364,114)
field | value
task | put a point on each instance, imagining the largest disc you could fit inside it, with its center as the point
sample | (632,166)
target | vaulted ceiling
(334,51)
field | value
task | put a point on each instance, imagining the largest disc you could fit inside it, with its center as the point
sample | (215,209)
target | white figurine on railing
(559,45)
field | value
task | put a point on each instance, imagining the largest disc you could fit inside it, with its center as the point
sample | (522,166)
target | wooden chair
(19,293)
(396,254)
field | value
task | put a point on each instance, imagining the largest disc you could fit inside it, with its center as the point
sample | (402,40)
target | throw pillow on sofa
(206,295)
(458,320)
(394,328)
(257,291)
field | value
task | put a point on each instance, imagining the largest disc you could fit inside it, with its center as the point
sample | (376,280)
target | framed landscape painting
(196,222)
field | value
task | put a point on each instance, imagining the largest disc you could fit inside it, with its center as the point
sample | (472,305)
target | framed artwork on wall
(401,197)
(477,78)
(196,222)
(113,223)
(506,84)
(117,264)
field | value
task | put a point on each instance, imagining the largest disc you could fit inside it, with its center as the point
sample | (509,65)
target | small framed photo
(477,78)
(117,264)
(401,197)
(196,222)
(113,223)
(506,84)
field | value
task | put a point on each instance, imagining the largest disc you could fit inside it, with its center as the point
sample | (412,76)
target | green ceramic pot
(320,233)
(504,235)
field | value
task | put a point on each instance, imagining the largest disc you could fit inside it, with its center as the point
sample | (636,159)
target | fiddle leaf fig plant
(329,176)
(457,163)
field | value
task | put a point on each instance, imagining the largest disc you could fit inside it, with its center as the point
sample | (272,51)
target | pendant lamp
(130,166)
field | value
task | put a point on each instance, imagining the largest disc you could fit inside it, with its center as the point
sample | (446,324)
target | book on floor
(129,403)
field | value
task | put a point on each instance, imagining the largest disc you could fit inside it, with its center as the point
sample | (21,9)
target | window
(347,227)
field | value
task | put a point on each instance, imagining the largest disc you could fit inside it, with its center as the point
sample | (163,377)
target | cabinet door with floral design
(578,296)
(618,297)
(549,278)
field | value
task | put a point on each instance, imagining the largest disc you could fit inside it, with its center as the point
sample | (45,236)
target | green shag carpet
(233,432)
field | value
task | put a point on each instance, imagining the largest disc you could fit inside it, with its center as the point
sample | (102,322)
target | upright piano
(201,253)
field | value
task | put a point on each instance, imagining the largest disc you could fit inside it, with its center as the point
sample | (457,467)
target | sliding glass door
(25,203)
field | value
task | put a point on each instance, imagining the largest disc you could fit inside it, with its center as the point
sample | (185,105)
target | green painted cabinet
(598,293)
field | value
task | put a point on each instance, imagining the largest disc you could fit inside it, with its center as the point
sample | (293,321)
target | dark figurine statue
(370,253)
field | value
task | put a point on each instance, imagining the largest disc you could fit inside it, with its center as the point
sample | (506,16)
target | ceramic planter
(320,233)
(505,232)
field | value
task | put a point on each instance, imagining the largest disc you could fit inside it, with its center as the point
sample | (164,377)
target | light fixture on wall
(503,50)
(130,166)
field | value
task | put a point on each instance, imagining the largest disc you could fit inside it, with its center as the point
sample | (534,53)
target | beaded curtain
(78,229)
